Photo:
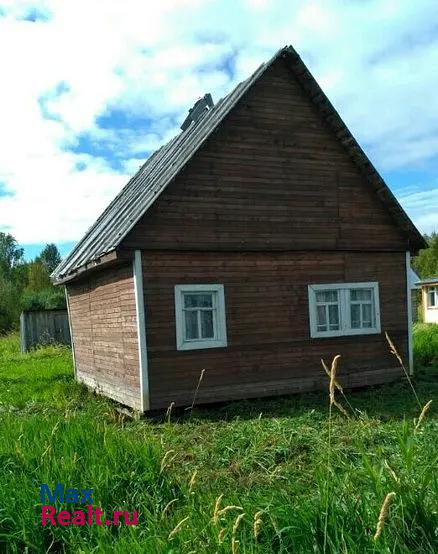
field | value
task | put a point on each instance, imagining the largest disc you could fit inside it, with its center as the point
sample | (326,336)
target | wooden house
(256,242)
(429,299)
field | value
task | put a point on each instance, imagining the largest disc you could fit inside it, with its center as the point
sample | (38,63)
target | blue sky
(90,89)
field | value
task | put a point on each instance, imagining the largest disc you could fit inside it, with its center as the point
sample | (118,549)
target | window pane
(333,317)
(355,316)
(321,319)
(327,296)
(431,298)
(191,320)
(358,295)
(366,315)
(193,300)
(207,330)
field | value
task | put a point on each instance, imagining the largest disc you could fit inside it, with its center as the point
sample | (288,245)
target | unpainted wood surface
(273,177)
(269,346)
(43,327)
(103,319)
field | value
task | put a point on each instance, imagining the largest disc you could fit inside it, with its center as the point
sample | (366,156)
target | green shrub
(49,299)
(426,343)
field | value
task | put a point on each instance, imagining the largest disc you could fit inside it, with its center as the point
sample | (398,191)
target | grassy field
(266,476)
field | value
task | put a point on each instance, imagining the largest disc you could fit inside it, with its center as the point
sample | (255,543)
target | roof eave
(97,263)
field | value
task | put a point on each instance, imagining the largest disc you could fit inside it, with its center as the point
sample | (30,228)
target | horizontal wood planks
(103,321)
(273,177)
(269,346)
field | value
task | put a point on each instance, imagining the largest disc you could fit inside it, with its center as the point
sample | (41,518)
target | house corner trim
(141,331)
(67,302)
(409,312)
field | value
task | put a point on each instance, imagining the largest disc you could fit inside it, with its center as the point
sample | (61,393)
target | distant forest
(26,285)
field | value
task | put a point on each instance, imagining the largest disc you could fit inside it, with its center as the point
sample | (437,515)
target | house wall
(103,321)
(272,177)
(269,347)
(430,314)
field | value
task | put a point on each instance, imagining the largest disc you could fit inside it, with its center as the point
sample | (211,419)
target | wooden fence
(43,327)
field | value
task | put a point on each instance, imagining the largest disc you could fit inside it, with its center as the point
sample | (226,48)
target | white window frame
(220,328)
(432,290)
(345,328)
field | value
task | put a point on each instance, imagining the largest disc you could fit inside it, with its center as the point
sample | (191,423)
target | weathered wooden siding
(43,327)
(273,177)
(269,347)
(103,320)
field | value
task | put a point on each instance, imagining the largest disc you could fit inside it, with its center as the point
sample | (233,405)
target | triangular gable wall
(273,176)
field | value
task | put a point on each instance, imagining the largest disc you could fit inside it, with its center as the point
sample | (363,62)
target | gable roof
(106,234)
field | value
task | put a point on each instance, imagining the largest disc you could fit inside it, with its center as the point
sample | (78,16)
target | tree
(38,277)
(10,254)
(426,263)
(49,257)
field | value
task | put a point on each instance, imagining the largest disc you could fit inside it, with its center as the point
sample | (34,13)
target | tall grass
(246,477)
(426,343)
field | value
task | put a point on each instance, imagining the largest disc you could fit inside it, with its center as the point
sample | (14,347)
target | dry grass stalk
(326,369)
(394,350)
(383,514)
(423,413)
(217,508)
(237,523)
(234,542)
(196,390)
(169,411)
(167,460)
(395,353)
(391,472)
(177,528)
(168,506)
(257,524)
(192,480)
(333,384)
(221,535)
(228,509)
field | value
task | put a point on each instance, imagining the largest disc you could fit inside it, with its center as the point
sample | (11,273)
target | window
(432,297)
(200,316)
(344,309)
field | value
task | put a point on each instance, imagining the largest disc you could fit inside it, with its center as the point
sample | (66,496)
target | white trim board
(409,312)
(141,332)
(75,372)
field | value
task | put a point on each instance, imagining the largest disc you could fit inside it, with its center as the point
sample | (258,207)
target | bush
(49,299)
(9,306)
(426,343)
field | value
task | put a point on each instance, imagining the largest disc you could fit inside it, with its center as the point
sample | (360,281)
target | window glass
(432,297)
(207,328)
(333,311)
(361,308)
(191,325)
(327,310)
(358,295)
(355,316)
(321,318)
(198,300)
(327,296)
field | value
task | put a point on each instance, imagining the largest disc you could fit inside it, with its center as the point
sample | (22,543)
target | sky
(90,89)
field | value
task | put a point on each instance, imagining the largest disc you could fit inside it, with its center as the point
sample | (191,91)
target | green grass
(426,343)
(268,455)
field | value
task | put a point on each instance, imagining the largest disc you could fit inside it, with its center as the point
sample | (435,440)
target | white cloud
(375,60)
